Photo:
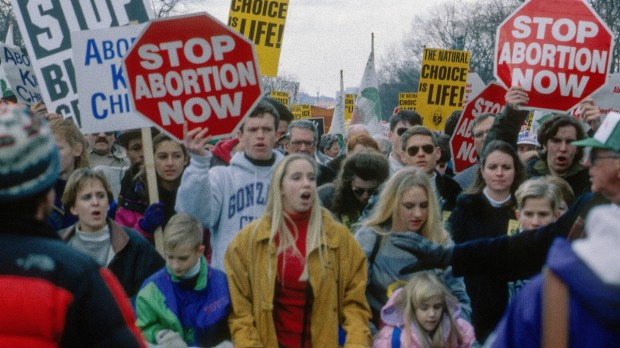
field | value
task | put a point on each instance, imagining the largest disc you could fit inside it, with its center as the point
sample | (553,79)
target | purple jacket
(594,306)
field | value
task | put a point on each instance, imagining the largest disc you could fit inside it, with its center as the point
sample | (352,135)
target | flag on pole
(367,108)
(337,126)
(10,39)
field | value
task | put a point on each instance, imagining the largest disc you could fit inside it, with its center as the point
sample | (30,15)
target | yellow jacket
(339,292)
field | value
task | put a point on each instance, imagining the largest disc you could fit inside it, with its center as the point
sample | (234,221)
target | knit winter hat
(29,160)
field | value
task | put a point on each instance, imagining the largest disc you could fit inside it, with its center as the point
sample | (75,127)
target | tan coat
(339,292)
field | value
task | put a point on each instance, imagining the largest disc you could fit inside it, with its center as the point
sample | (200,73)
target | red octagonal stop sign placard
(491,99)
(557,50)
(193,69)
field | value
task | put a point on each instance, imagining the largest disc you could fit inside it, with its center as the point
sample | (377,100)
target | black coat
(518,256)
(449,190)
(473,218)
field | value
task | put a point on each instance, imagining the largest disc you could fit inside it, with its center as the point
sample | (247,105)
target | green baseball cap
(606,137)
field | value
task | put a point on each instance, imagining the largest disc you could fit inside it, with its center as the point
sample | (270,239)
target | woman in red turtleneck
(296,276)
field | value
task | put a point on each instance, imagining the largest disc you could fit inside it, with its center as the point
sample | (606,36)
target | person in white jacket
(225,199)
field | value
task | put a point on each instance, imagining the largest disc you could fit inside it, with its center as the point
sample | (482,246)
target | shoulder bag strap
(555,312)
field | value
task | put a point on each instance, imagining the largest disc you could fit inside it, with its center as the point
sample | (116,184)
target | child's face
(429,313)
(536,212)
(181,259)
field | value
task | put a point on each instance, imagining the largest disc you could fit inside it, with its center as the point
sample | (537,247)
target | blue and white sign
(46,27)
(103,95)
(19,74)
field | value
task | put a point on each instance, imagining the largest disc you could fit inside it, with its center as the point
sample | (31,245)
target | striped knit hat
(29,160)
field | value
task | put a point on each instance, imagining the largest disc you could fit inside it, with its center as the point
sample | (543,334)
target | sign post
(205,75)
(559,51)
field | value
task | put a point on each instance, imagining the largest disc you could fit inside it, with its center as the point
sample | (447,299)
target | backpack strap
(555,311)
(396,337)
(375,249)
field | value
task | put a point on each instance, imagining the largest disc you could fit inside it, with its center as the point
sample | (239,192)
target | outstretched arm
(516,257)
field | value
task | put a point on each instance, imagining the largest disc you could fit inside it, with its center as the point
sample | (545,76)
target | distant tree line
(462,25)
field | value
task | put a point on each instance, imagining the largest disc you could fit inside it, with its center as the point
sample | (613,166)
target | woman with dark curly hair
(359,178)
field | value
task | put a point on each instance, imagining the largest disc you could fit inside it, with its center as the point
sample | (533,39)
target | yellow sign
(513,227)
(301,111)
(443,80)
(262,22)
(349,103)
(407,101)
(280,96)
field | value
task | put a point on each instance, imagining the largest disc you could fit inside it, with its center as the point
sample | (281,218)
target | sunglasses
(359,191)
(401,131)
(413,150)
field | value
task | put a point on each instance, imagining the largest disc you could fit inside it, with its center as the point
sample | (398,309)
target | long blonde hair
(275,212)
(420,288)
(386,210)
(67,130)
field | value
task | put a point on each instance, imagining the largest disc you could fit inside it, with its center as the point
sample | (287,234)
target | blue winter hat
(29,160)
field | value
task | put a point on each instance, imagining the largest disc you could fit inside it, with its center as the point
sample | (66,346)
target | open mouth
(561,160)
(306,196)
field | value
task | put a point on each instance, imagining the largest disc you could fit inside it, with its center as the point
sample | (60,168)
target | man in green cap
(578,290)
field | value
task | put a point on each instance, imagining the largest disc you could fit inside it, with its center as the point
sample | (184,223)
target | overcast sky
(321,37)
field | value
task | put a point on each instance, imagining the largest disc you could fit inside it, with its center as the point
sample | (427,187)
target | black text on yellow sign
(349,104)
(301,111)
(280,96)
(407,101)
(443,81)
(262,22)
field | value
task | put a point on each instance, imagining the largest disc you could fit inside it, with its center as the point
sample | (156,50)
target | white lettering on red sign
(203,80)
(572,56)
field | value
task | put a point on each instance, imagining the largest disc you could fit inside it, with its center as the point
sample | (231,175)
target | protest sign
(263,23)
(301,111)
(105,101)
(475,85)
(491,99)
(46,28)
(443,79)
(19,74)
(281,96)
(407,101)
(193,70)
(349,104)
(559,51)
(5,88)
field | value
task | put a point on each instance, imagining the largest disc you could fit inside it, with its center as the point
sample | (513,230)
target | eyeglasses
(298,143)
(359,191)
(479,134)
(401,131)
(413,150)
(593,156)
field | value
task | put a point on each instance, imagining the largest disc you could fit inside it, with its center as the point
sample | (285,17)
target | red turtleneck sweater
(290,293)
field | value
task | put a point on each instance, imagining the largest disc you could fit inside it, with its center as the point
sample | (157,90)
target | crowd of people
(281,238)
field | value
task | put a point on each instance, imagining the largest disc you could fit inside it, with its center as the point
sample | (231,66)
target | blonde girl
(407,212)
(295,275)
(423,314)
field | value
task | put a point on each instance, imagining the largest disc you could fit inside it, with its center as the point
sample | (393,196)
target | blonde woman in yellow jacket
(296,276)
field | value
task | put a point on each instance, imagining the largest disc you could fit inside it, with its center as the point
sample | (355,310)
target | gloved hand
(170,339)
(154,216)
(429,255)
